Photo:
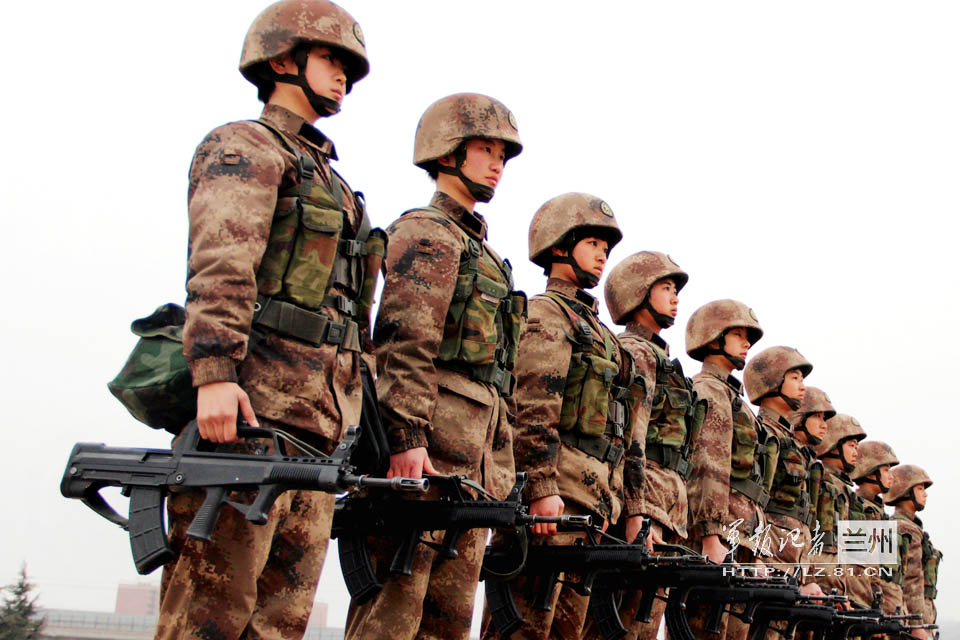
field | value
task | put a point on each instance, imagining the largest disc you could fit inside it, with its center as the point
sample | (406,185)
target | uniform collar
(715,370)
(875,498)
(294,125)
(647,334)
(840,475)
(472,223)
(573,292)
(772,416)
(900,511)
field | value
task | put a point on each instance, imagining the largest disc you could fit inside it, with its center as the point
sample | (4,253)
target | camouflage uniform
(905,478)
(890,586)
(586,470)
(931,558)
(248,580)
(431,397)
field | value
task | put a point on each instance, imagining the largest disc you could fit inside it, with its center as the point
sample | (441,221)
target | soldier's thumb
(246,409)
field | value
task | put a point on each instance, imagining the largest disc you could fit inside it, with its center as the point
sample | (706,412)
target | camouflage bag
(155,383)
(586,397)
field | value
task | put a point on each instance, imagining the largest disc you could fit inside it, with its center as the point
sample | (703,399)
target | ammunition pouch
(670,458)
(292,321)
(597,447)
(752,490)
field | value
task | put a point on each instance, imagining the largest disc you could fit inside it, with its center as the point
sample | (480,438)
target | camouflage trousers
(637,629)
(254,582)
(567,608)
(435,602)
(929,611)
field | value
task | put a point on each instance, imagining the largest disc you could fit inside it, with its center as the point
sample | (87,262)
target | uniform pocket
(313,255)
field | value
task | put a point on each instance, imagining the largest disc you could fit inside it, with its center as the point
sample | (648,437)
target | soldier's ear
(283,64)
(558,252)
(447,160)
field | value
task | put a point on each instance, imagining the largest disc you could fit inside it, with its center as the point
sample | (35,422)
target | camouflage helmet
(283,25)
(765,371)
(712,320)
(815,400)
(630,281)
(558,216)
(872,455)
(840,427)
(451,120)
(905,477)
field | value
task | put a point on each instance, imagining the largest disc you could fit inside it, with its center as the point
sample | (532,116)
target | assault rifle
(147,475)
(455,511)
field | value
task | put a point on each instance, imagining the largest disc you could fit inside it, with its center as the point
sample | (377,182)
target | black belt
(594,446)
(311,327)
(670,458)
(494,374)
(797,511)
(752,490)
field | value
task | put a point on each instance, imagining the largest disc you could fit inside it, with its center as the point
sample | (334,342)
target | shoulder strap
(585,333)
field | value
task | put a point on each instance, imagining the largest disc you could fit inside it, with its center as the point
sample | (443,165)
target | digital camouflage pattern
(911,528)
(629,282)
(890,586)
(283,25)
(154,384)
(930,557)
(462,422)
(728,444)
(249,580)
(543,363)
(815,400)
(840,427)
(904,478)
(711,321)
(834,493)
(558,216)
(236,175)
(871,455)
(450,121)
(764,372)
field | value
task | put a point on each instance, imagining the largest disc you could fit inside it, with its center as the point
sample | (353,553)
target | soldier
(641,293)
(446,336)
(272,318)
(908,495)
(774,381)
(930,558)
(575,399)
(872,475)
(726,491)
(832,502)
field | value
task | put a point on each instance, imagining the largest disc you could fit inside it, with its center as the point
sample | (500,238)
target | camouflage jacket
(834,505)
(714,506)
(911,528)
(421,274)
(236,174)
(664,490)
(543,361)
(780,427)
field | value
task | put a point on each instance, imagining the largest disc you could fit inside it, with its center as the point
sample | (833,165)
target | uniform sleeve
(234,180)
(543,360)
(708,491)
(913,577)
(635,460)
(634,465)
(422,262)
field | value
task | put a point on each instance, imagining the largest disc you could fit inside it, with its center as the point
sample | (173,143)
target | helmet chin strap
(793,403)
(737,362)
(876,477)
(663,320)
(586,279)
(322,105)
(913,497)
(814,440)
(479,192)
(837,452)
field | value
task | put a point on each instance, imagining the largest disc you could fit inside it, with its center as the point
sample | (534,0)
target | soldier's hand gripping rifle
(147,475)
(455,511)
(868,623)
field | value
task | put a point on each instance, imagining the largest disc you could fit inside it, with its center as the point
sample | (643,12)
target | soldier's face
(485,161)
(326,74)
(793,385)
(663,297)
(885,476)
(816,426)
(850,448)
(736,342)
(591,255)
(920,493)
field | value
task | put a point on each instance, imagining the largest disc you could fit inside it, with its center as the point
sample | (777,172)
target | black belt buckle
(613,454)
(336,332)
(351,248)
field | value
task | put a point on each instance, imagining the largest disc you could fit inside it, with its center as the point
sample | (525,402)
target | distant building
(138,599)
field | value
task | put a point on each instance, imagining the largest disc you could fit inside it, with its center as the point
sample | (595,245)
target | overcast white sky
(801,157)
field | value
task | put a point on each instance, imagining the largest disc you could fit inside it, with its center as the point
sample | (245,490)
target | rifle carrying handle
(148,539)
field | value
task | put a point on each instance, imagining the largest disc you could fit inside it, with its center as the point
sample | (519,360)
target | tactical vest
(931,566)
(599,395)
(788,493)
(750,456)
(310,250)
(481,330)
(868,510)
(904,540)
(833,505)
(675,416)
